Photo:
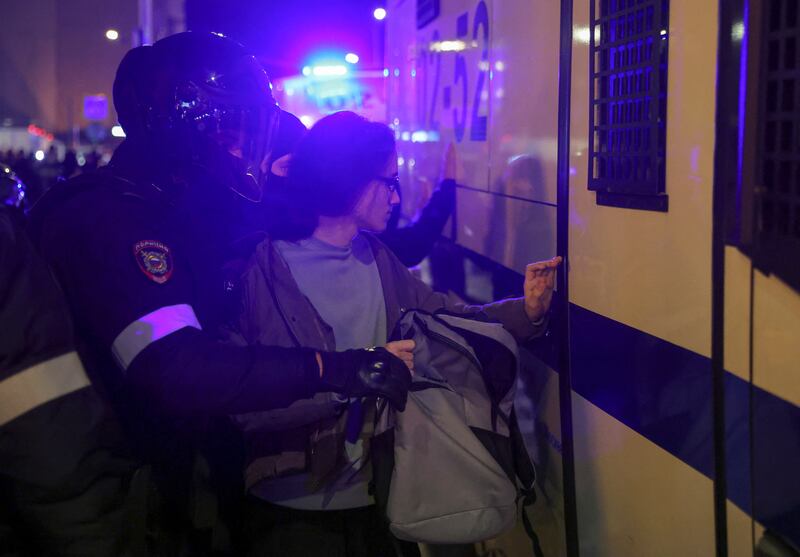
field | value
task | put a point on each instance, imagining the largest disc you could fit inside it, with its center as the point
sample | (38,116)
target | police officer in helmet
(146,251)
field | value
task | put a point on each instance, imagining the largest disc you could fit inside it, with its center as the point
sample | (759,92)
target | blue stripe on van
(663,392)
(659,389)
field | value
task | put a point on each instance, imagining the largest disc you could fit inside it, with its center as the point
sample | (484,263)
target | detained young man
(323,280)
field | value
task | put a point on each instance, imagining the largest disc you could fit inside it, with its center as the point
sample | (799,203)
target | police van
(655,144)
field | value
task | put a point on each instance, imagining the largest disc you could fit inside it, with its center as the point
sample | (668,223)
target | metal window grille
(628,113)
(777,192)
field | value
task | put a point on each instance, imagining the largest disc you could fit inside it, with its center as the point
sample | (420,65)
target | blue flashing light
(351,58)
(424,136)
(307,70)
(397,72)
(329,71)
(385,72)
(379,14)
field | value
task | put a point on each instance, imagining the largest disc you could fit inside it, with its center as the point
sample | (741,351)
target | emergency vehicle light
(325,71)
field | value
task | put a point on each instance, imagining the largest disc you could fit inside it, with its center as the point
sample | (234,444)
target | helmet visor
(235,114)
(248,134)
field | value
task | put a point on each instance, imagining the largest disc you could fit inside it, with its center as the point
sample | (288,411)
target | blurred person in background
(25,168)
(92,161)
(69,166)
(413,242)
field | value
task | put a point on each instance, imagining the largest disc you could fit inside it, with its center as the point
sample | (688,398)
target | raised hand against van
(540,280)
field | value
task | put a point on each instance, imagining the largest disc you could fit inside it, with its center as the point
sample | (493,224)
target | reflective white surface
(652,271)
(776,338)
(512,231)
(524,96)
(737,313)
(636,499)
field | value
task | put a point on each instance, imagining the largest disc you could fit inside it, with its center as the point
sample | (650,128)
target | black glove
(374,371)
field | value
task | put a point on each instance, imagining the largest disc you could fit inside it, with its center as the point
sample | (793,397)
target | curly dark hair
(330,169)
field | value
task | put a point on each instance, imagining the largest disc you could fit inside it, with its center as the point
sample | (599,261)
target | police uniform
(144,252)
(63,467)
(146,269)
(142,259)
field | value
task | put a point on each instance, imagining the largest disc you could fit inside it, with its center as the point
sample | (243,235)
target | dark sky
(283,34)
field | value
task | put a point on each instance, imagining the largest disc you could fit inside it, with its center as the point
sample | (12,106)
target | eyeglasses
(393,182)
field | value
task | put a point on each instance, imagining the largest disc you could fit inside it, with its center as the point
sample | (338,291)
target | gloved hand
(374,371)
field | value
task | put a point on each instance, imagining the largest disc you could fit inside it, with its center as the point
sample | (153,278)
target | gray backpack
(452,467)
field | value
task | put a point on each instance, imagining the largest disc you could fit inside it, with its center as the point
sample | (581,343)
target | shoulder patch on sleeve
(154,259)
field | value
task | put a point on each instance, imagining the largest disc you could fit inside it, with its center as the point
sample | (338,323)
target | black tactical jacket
(64,469)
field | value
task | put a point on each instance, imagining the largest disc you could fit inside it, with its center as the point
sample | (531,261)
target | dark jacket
(63,463)
(413,242)
(91,231)
(142,250)
(273,311)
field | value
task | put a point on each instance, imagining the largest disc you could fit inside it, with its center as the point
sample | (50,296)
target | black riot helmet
(12,190)
(200,99)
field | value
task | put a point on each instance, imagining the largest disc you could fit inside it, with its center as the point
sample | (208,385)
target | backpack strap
(526,474)
(526,523)
(522,461)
